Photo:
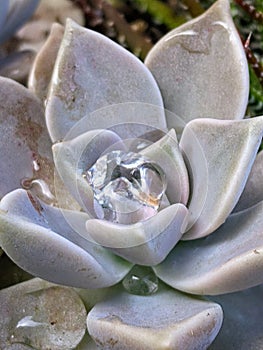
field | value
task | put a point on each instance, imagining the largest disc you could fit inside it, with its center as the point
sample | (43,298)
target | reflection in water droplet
(44,188)
(40,187)
(28,321)
(127,187)
(36,166)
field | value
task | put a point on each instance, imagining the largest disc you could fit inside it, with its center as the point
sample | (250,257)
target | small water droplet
(28,321)
(45,191)
(39,187)
(189,32)
(141,280)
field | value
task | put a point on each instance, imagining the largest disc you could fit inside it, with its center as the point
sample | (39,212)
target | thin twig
(252,59)
(251,10)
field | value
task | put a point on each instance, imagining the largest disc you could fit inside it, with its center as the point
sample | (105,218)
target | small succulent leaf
(253,192)
(42,68)
(92,72)
(4,4)
(147,242)
(229,260)
(167,155)
(18,13)
(164,320)
(25,144)
(243,320)
(74,157)
(206,63)
(47,242)
(229,149)
(38,313)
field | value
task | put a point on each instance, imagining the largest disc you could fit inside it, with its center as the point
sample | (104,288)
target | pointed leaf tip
(198,66)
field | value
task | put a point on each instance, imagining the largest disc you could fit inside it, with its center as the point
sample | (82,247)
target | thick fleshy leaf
(92,72)
(243,320)
(73,158)
(147,242)
(167,155)
(253,192)
(229,260)
(48,243)
(25,145)
(164,320)
(229,149)
(132,121)
(198,66)
(18,13)
(41,315)
(44,63)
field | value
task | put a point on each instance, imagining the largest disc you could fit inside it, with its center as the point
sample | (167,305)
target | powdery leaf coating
(74,157)
(52,238)
(230,259)
(229,148)
(147,242)
(84,59)
(200,64)
(164,320)
(25,143)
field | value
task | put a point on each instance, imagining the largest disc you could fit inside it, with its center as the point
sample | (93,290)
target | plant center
(128,187)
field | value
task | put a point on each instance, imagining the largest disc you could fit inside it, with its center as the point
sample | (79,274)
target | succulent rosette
(154,179)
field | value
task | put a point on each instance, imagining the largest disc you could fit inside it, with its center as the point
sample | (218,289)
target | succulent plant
(157,181)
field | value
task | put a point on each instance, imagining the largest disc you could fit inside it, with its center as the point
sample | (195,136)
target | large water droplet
(127,187)
(141,280)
